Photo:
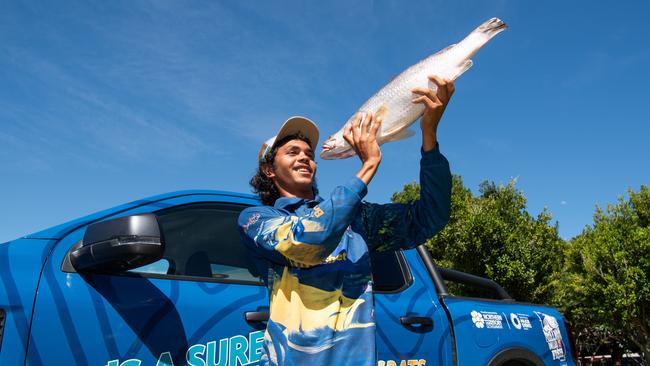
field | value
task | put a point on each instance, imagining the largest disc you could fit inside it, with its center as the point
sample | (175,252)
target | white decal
(487,319)
(238,349)
(520,321)
(551,330)
(515,321)
(477,319)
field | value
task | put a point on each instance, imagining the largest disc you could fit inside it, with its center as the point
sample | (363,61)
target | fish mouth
(333,148)
(333,154)
(328,152)
(328,145)
(328,155)
(329,149)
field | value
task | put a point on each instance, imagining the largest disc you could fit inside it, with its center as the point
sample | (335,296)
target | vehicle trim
(442,291)
(67,228)
(182,278)
(67,267)
(501,301)
(470,279)
(3,319)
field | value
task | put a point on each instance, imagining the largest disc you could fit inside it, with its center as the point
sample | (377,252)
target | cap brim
(299,124)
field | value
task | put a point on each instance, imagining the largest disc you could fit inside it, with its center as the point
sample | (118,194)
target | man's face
(294,168)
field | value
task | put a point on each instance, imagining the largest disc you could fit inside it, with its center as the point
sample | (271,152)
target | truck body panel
(106,320)
(20,268)
(172,313)
(397,342)
(492,326)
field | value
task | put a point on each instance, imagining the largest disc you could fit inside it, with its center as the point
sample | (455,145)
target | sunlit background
(107,102)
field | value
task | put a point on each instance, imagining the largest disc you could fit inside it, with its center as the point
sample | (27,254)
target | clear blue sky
(110,101)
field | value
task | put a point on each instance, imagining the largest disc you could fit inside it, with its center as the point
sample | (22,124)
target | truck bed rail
(439,275)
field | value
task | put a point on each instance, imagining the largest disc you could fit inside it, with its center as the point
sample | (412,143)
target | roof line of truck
(59,231)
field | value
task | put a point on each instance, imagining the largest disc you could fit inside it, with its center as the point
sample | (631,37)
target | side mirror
(119,244)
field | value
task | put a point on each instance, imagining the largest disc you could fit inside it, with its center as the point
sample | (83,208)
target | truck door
(191,307)
(412,327)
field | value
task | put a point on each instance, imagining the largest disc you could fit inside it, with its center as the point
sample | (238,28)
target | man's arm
(403,226)
(398,226)
(302,241)
(435,104)
(361,134)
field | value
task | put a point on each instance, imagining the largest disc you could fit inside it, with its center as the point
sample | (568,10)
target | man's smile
(303,169)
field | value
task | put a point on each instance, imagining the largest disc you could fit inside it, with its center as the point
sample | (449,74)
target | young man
(314,253)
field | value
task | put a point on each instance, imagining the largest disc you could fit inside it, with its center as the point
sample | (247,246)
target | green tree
(492,235)
(606,281)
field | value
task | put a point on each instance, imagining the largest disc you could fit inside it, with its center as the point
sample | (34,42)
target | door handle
(256,316)
(423,321)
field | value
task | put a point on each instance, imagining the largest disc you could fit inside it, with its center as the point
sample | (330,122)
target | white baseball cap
(292,126)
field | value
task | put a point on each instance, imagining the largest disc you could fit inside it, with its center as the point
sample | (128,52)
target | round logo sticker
(515,320)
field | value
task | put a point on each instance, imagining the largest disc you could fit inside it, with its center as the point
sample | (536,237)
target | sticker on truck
(487,319)
(551,329)
(236,350)
(520,321)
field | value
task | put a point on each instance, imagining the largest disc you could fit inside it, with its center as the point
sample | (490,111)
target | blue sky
(103,103)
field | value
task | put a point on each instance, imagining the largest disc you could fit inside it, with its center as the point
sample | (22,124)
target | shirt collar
(288,203)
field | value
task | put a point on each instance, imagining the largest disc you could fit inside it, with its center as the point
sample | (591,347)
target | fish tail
(492,27)
(482,35)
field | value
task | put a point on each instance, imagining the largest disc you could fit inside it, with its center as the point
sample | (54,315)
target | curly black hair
(262,184)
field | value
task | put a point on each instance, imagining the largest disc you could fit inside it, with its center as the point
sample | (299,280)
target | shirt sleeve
(302,241)
(396,226)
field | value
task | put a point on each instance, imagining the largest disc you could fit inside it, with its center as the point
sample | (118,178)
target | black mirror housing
(119,244)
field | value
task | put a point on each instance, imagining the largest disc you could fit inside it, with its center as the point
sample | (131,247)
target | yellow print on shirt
(294,250)
(318,212)
(303,308)
(341,257)
(419,362)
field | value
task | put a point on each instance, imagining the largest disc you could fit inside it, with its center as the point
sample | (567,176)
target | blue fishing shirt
(315,258)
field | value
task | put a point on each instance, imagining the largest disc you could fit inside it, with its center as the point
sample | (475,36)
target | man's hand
(435,104)
(361,134)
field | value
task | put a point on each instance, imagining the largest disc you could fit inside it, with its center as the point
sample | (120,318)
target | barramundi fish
(393,101)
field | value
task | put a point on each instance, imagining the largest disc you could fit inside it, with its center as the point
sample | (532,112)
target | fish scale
(393,101)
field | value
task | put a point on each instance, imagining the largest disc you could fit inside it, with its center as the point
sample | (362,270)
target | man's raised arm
(404,226)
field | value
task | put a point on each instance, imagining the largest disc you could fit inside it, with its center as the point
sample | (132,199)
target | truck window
(389,271)
(202,240)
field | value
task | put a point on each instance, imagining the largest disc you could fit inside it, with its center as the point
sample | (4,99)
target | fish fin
(444,49)
(401,135)
(454,73)
(381,111)
(462,68)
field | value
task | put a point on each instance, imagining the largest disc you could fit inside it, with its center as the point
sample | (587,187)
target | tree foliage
(493,235)
(600,279)
(605,284)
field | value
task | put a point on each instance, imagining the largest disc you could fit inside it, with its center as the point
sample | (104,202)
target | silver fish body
(393,101)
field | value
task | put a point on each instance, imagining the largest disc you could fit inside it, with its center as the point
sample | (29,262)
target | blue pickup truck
(165,281)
